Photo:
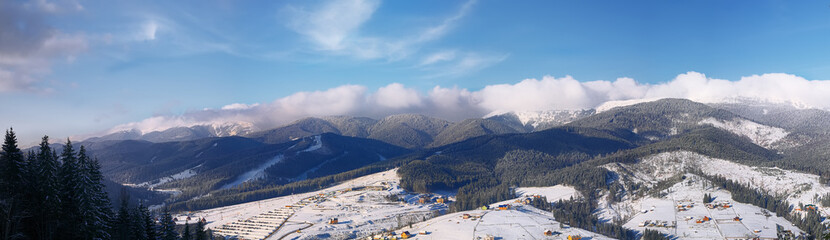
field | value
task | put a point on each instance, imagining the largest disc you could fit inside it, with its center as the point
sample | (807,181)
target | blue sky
(78,67)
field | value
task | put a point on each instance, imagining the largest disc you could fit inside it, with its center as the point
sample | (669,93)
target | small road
(303,228)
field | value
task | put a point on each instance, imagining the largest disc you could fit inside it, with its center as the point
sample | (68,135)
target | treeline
(138,223)
(46,195)
(580,214)
(649,234)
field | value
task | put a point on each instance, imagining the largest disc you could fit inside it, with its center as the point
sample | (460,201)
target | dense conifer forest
(49,195)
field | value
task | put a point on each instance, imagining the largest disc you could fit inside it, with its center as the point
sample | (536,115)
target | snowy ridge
(538,118)
(622,103)
(761,135)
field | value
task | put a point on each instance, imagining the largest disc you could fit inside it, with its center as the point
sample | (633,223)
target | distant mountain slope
(529,121)
(199,166)
(655,120)
(470,128)
(179,133)
(406,130)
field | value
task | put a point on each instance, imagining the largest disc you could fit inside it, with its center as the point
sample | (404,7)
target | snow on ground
(317,145)
(794,186)
(519,222)
(760,134)
(752,221)
(255,173)
(622,103)
(553,194)
(360,205)
(797,187)
(178,176)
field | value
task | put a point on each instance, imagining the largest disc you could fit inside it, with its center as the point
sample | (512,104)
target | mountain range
(478,160)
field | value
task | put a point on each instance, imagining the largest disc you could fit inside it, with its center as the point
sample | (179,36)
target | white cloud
(396,96)
(239,106)
(547,93)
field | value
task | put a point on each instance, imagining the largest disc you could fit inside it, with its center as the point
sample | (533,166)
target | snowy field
(360,205)
(685,216)
(553,194)
(363,208)
(520,222)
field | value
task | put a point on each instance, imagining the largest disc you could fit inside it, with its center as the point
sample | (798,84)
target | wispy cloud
(468,63)
(547,93)
(438,57)
(328,26)
(334,28)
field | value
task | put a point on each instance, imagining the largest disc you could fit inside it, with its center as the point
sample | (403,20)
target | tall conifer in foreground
(11,186)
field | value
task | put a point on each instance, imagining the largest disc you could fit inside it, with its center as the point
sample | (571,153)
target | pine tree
(137,228)
(168,227)
(186,232)
(123,224)
(12,183)
(42,199)
(70,193)
(150,228)
(201,234)
(98,203)
(93,201)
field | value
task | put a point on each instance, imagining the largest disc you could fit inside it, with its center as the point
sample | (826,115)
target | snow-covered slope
(621,103)
(795,186)
(519,222)
(540,120)
(761,135)
(552,193)
(375,204)
(178,176)
(256,173)
(752,222)
(363,207)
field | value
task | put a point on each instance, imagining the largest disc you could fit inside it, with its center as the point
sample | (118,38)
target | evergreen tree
(93,201)
(168,227)
(11,186)
(137,227)
(70,193)
(201,234)
(42,198)
(186,232)
(123,224)
(97,202)
(150,227)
